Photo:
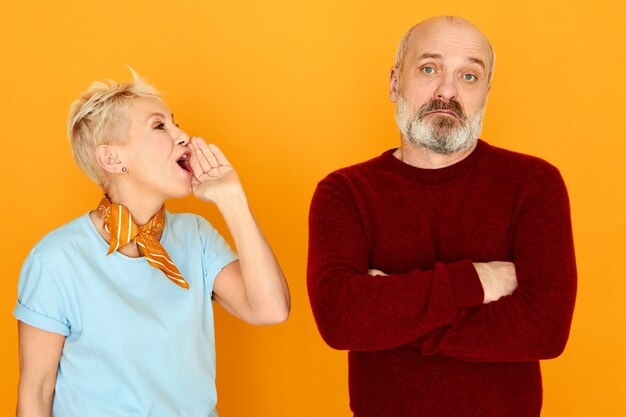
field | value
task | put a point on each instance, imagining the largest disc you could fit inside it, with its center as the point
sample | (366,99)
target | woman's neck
(141,207)
(130,250)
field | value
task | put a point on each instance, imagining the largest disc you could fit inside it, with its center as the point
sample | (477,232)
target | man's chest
(408,230)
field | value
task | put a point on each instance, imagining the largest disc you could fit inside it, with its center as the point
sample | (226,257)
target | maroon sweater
(421,342)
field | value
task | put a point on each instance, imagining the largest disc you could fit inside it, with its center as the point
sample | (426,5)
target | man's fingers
(376,272)
(498,279)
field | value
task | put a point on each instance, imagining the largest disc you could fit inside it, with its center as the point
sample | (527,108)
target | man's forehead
(444,36)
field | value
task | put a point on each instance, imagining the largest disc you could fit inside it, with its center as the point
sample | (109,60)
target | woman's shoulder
(188,222)
(72,235)
(189,230)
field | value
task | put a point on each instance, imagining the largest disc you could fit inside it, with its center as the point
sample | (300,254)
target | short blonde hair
(100,117)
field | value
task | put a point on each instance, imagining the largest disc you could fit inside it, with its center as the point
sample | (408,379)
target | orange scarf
(119,223)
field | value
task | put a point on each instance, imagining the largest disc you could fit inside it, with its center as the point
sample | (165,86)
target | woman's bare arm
(40,352)
(254,288)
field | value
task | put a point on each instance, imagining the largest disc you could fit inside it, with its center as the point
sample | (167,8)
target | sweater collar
(432,176)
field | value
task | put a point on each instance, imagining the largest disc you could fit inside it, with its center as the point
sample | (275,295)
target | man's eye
(469,77)
(160,126)
(428,70)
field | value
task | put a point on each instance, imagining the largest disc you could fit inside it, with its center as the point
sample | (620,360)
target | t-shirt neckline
(118,254)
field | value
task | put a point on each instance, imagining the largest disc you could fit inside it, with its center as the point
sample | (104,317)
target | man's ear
(394,84)
(109,159)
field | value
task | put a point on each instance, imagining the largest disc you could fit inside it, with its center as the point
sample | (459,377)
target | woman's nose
(181,138)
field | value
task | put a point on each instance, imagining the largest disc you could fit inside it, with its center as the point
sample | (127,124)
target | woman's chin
(181,191)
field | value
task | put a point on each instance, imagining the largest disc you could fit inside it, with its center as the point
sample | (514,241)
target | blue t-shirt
(136,344)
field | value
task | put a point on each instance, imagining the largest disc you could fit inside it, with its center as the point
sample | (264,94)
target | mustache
(434,105)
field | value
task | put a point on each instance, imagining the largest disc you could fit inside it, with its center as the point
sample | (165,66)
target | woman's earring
(124,169)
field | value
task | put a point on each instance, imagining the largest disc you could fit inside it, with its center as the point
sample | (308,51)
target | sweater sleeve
(534,322)
(356,311)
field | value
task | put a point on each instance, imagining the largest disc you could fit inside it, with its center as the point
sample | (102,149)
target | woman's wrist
(234,200)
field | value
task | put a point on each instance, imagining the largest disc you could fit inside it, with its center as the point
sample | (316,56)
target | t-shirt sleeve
(216,252)
(42,298)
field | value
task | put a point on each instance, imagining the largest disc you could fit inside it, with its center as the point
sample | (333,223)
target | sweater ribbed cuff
(466,283)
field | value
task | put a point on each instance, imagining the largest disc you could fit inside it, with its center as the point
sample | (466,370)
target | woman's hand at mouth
(214,178)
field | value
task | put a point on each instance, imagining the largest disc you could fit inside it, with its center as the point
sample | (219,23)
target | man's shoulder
(344,183)
(357,171)
(513,161)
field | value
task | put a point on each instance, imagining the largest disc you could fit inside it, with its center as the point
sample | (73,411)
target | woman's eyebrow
(159,114)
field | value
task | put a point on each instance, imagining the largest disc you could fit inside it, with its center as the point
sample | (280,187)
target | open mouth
(183,162)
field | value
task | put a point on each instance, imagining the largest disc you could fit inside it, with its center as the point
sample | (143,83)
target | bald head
(440,84)
(441,24)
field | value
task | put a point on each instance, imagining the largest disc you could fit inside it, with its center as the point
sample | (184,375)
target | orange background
(292,90)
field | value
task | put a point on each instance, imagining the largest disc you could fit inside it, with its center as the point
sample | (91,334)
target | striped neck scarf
(119,224)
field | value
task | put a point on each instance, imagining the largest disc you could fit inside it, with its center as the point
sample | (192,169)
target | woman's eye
(428,70)
(469,77)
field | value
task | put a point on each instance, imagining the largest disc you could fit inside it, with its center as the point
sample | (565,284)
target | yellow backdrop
(292,90)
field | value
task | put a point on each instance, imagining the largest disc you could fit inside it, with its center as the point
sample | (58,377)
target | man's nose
(447,88)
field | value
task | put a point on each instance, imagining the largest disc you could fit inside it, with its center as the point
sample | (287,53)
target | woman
(115,308)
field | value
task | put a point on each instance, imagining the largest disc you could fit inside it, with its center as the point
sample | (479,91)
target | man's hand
(497,278)
(214,178)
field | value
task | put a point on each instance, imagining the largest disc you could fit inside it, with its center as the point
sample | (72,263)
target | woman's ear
(109,159)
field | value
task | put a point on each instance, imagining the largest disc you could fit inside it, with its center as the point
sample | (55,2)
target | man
(445,266)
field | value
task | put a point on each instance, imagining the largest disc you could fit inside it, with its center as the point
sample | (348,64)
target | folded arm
(357,311)
(533,323)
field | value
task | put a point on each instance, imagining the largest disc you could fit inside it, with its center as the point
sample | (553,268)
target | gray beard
(442,135)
